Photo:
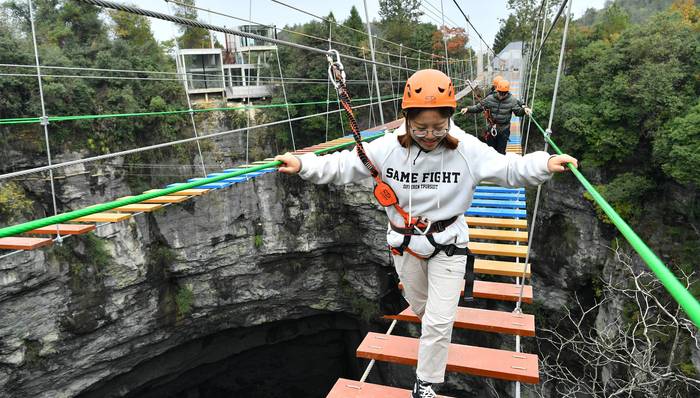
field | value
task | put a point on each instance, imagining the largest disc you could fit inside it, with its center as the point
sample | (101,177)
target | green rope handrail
(26,120)
(71,215)
(679,293)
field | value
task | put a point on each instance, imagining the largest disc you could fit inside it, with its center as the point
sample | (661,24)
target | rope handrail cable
(549,127)
(44,118)
(159,113)
(551,28)
(189,101)
(475,30)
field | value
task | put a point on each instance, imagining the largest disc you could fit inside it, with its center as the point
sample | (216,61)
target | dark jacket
(501,110)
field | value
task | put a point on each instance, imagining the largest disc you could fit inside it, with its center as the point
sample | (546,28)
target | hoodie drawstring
(442,169)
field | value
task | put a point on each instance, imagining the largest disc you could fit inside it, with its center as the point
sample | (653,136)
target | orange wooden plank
(104,217)
(498,291)
(63,229)
(496,222)
(477,361)
(21,243)
(498,249)
(483,320)
(345,388)
(501,291)
(502,268)
(498,234)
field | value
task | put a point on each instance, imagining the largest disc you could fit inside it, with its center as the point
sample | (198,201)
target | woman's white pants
(432,287)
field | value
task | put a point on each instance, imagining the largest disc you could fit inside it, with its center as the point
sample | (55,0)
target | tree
(406,11)
(456,41)
(506,34)
(398,19)
(191,37)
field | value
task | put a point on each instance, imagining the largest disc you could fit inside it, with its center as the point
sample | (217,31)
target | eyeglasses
(436,133)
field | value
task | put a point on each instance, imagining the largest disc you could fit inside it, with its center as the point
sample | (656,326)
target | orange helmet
(428,88)
(503,85)
(497,79)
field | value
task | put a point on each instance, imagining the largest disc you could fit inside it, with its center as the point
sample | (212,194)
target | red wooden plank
(477,361)
(345,388)
(483,320)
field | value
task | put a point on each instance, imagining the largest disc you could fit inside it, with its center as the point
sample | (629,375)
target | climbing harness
(386,196)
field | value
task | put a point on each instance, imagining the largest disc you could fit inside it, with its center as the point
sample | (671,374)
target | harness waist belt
(435,227)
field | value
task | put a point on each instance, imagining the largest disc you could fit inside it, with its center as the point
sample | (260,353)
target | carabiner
(336,71)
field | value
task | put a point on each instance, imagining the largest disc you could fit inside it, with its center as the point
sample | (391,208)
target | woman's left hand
(557,164)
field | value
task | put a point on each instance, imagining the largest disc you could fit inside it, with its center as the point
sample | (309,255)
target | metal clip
(44,120)
(427,226)
(548,133)
(336,71)
(494,131)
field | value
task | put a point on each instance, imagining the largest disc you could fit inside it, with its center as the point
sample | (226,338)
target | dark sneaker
(422,389)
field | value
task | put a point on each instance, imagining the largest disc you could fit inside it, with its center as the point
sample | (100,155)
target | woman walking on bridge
(432,166)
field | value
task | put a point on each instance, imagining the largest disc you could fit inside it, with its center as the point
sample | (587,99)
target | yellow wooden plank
(163,199)
(138,207)
(103,217)
(498,249)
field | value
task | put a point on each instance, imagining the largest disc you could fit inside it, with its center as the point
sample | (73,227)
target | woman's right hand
(290,163)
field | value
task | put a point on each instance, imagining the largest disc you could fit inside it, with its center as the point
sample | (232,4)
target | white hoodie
(437,185)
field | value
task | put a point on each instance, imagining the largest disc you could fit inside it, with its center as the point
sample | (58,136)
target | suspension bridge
(500,233)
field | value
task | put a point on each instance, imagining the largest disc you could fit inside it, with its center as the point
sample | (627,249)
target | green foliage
(84,252)
(688,369)
(677,147)
(627,194)
(70,33)
(258,241)
(161,256)
(14,204)
(184,298)
(406,11)
(613,21)
(365,308)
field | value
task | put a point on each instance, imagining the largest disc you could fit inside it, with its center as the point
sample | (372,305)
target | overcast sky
(484,14)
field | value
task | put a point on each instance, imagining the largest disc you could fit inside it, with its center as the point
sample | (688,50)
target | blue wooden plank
(211,185)
(494,212)
(499,196)
(507,204)
(495,189)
